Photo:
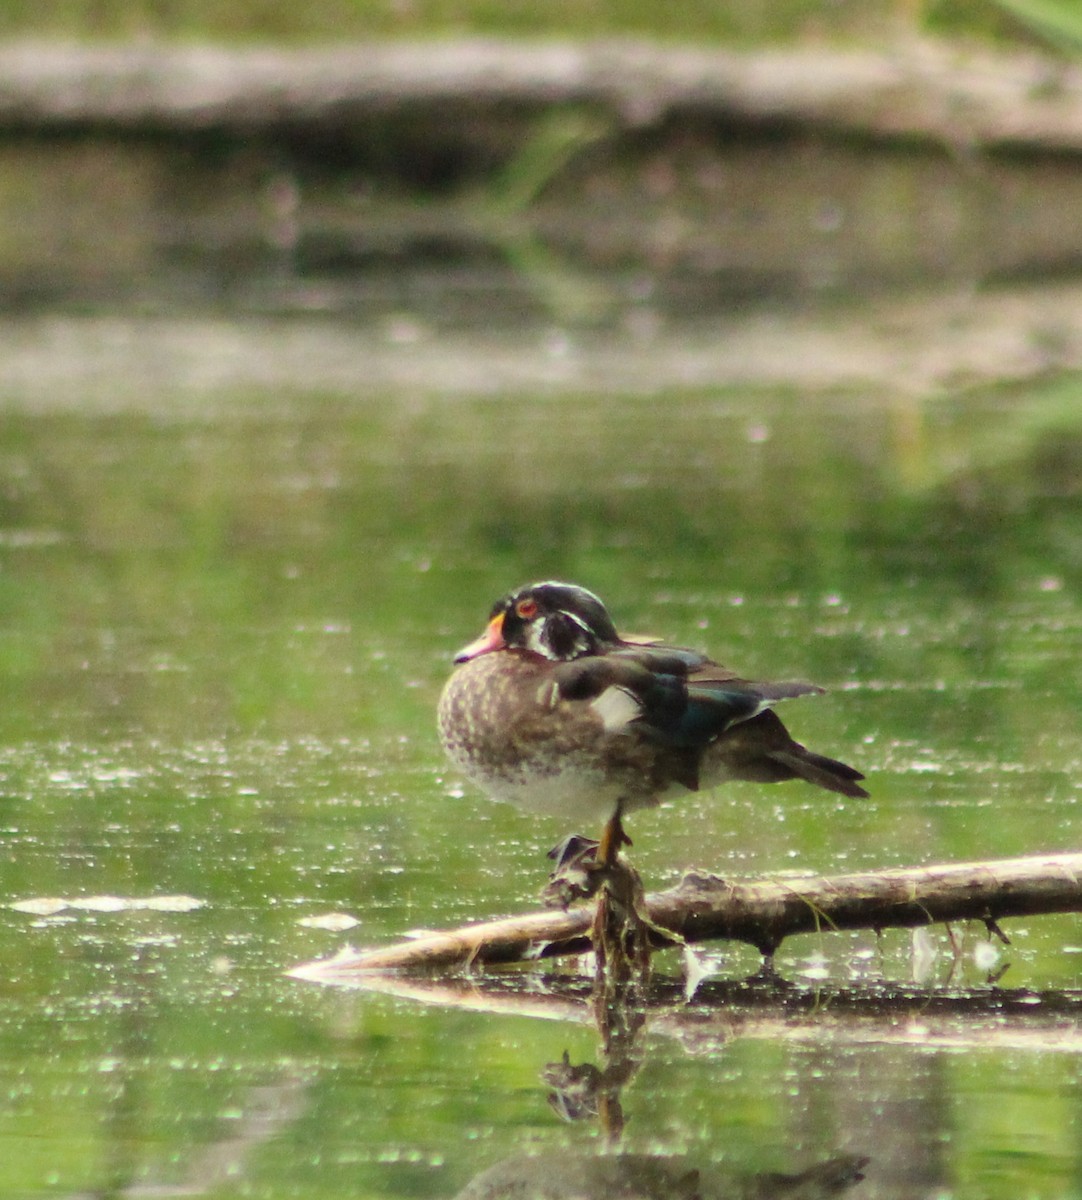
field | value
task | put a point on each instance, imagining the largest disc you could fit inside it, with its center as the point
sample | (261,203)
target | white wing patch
(762,706)
(617,708)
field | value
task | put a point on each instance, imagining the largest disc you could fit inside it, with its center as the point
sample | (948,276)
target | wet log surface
(953,95)
(762,913)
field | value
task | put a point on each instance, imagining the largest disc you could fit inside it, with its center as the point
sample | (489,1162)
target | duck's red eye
(526,609)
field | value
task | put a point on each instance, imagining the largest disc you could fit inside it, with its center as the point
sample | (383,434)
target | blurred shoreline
(800,216)
(954,94)
(918,346)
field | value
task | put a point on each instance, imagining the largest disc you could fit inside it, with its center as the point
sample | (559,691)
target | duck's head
(558,621)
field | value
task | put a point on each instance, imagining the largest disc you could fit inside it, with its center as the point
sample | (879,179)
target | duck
(553,710)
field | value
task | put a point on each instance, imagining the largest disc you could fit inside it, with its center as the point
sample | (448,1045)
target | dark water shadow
(722,1011)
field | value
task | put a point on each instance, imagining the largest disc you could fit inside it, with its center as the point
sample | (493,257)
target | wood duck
(551,709)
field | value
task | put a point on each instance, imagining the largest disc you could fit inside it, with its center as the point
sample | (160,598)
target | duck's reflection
(587,1090)
(654,1177)
(593,1091)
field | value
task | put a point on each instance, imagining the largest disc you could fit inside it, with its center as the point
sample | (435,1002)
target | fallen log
(952,95)
(760,912)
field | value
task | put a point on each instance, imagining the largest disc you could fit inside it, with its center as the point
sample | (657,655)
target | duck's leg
(619,935)
(612,838)
(622,930)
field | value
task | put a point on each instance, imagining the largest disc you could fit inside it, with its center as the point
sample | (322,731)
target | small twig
(994,930)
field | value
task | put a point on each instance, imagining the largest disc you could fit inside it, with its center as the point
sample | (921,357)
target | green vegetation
(731,21)
(1058,21)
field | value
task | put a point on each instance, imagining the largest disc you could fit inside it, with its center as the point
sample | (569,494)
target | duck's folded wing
(622,690)
(718,699)
(675,697)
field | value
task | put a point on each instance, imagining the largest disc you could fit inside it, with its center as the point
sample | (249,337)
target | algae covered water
(229,599)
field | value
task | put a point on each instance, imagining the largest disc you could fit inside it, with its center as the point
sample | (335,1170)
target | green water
(228,609)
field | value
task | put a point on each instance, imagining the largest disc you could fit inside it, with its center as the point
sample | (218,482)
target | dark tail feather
(822,771)
(760,749)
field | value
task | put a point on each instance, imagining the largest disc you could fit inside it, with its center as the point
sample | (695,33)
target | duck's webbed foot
(572,850)
(576,875)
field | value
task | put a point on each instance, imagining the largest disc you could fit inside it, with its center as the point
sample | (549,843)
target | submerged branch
(762,913)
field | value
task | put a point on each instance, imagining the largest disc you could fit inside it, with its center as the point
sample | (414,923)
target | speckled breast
(501,723)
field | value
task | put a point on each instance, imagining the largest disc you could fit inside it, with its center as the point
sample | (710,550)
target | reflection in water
(133,1113)
(852,1078)
(646,1177)
(586,1090)
(226,619)
(266,1114)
